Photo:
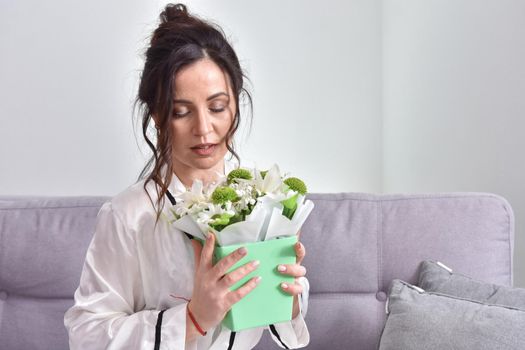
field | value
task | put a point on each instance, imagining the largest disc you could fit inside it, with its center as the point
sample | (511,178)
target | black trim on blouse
(232,339)
(173,202)
(274,332)
(158,328)
(170,197)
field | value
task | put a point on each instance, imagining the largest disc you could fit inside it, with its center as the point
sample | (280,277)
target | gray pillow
(420,320)
(436,277)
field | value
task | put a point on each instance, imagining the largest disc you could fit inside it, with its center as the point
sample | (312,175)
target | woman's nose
(202,125)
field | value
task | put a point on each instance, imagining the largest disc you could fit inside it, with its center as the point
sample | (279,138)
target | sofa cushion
(423,320)
(439,278)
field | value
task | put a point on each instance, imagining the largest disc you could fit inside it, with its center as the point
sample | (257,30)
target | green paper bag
(267,303)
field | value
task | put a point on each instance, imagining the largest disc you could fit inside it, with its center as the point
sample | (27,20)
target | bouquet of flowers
(244,206)
(249,208)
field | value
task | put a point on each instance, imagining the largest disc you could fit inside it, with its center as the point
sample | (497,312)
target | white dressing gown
(133,270)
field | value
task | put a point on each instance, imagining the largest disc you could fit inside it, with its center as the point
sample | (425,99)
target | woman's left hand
(296,270)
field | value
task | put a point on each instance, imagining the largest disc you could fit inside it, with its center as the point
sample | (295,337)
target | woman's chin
(208,162)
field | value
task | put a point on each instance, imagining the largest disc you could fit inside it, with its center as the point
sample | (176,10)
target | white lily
(271,182)
(195,194)
(193,200)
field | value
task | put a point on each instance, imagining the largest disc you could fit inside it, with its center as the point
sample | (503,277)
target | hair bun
(174,12)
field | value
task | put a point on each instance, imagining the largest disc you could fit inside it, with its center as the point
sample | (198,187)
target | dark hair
(180,40)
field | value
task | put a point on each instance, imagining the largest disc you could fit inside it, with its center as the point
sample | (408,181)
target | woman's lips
(204,150)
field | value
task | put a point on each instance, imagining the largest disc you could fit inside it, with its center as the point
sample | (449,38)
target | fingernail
(243,250)
(281,268)
(284,285)
(258,279)
(255,263)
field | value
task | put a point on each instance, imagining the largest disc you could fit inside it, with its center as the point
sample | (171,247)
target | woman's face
(203,110)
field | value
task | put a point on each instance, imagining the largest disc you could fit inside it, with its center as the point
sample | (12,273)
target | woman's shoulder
(133,204)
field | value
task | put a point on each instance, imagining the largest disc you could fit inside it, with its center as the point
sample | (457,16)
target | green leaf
(290,205)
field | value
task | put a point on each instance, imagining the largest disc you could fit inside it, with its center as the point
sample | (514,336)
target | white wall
(454,100)
(316,86)
(447,77)
(69,74)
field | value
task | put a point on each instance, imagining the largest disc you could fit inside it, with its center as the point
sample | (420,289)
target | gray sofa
(356,244)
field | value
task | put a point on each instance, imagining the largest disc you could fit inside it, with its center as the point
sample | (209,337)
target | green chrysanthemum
(239,174)
(223,194)
(296,184)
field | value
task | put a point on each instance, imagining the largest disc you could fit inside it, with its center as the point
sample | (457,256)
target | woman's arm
(109,302)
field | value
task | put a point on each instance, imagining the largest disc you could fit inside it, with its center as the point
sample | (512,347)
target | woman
(144,283)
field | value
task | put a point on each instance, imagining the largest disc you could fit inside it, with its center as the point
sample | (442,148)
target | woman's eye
(177,114)
(217,110)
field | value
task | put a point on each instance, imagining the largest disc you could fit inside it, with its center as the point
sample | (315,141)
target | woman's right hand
(212,297)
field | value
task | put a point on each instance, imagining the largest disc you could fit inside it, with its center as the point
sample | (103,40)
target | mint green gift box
(267,303)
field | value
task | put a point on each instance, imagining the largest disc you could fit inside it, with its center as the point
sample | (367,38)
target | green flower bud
(296,184)
(223,194)
(263,173)
(239,174)
(290,206)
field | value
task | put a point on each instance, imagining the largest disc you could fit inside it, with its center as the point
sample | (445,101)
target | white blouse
(133,269)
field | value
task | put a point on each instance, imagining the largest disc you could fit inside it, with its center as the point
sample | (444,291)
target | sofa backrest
(43,242)
(356,244)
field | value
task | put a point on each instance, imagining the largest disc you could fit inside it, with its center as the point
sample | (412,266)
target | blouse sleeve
(294,334)
(108,312)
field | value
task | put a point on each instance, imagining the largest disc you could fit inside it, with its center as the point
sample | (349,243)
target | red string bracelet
(199,329)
